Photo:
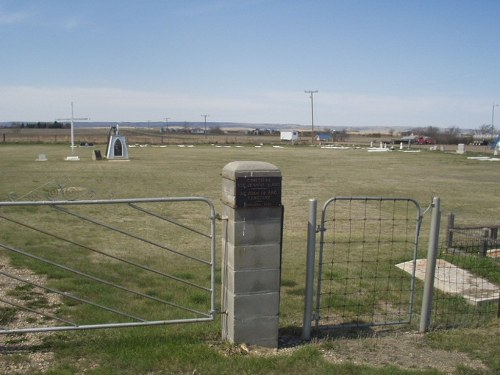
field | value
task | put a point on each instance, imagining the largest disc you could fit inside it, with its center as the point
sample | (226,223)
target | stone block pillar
(251,252)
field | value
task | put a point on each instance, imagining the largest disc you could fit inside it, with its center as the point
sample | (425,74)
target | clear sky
(373,62)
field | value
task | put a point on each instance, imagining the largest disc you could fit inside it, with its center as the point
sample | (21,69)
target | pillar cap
(250,169)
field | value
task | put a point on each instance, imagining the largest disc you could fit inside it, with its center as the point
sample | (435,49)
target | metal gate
(86,264)
(361,242)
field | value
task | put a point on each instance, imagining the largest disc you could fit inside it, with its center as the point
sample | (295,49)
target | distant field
(154,136)
(469,188)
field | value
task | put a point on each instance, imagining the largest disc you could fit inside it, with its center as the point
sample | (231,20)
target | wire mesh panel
(472,294)
(469,267)
(362,240)
(106,263)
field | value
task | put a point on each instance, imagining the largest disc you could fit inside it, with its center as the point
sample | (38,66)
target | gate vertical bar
(311,249)
(425,317)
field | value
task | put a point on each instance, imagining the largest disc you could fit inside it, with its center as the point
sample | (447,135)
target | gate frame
(213,216)
(311,313)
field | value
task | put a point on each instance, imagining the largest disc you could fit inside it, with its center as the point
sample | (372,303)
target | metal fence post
(485,242)
(310,263)
(449,232)
(425,317)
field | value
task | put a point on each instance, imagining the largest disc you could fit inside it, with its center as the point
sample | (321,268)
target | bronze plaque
(258,192)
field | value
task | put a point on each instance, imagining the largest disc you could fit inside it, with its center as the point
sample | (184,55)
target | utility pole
(72,119)
(166,123)
(493,122)
(312,112)
(205,123)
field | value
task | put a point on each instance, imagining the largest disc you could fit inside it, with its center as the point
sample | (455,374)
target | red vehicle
(425,141)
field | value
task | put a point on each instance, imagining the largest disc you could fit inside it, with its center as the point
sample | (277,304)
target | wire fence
(469,269)
(362,241)
(372,271)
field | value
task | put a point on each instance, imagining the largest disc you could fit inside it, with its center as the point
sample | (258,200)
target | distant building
(289,135)
(324,137)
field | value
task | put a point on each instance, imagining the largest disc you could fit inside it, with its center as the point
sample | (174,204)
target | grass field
(469,188)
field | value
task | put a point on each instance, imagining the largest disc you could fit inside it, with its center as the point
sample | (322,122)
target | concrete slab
(451,279)
(493,253)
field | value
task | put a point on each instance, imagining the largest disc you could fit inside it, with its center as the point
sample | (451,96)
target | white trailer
(289,135)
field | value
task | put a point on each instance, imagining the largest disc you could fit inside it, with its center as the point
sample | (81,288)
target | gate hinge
(320,229)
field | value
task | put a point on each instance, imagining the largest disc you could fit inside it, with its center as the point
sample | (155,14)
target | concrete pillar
(251,252)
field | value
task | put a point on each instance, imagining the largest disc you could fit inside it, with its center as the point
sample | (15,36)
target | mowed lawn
(469,188)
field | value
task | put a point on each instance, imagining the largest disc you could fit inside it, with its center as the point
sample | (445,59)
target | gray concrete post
(251,252)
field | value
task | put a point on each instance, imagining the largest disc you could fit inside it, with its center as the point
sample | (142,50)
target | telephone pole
(205,123)
(312,112)
(493,122)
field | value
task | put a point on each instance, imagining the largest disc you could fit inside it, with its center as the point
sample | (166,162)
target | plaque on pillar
(258,192)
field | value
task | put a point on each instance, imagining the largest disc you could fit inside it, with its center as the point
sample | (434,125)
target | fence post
(485,242)
(310,263)
(425,316)
(449,232)
(251,198)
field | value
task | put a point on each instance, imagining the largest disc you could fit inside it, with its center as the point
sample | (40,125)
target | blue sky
(374,62)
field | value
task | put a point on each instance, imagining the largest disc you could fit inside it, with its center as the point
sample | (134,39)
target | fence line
(470,262)
(360,243)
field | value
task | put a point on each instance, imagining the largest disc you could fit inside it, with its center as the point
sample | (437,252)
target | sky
(387,63)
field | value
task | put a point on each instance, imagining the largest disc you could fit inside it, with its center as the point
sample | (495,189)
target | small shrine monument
(117,145)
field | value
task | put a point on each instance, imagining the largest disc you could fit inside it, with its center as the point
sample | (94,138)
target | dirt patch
(23,353)
(407,351)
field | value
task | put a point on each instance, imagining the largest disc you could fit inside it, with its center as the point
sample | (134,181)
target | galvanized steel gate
(86,264)
(361,242)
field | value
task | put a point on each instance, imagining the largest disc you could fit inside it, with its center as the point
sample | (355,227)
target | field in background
(137,135)
(469,188)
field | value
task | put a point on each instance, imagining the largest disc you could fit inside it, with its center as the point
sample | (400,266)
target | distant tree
(56,125)
(215,130)
(450,135)
(431,131)
(340,135)
(486,129)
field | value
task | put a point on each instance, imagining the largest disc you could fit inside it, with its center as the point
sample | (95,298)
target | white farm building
(289,135)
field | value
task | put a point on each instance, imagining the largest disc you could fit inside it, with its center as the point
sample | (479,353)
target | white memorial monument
(117,145)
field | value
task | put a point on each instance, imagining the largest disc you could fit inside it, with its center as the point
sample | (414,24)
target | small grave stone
(461,148)
(42,157)
(96,155)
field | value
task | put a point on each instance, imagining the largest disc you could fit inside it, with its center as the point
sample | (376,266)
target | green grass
(469,188)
